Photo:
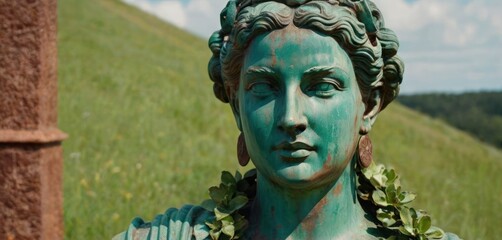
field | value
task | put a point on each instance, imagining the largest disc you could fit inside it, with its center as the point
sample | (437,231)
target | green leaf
(238,176)
(237,203)
(228,220)
(208,204)
(215,234)
(228,192)
(220,214)
(378,180)
(407,197)
(214,225)
(391,175)
(232,190)
(434,233)
(386,217)
(367,172)
(424,223)
(372,170)
(227,178)
(250,174)
(406,231)
(379,198)
(406,217)
(397,183)
(228,230)
(217,194)
(391,194)
(414,217)
(414,212)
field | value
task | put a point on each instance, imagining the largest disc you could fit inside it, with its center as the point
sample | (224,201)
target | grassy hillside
(478,113)
(146,132)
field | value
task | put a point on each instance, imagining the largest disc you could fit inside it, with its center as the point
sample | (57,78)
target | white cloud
(197,16)
(448,45)
(171,10)
(451,22)
(204,16)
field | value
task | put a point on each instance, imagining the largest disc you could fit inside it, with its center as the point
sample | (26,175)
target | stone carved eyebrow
(319,71)
(260,71)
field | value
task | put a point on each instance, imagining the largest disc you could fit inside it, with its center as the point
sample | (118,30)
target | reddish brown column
(30,143)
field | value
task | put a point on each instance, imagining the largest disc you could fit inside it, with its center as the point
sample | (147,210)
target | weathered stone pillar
(30,143)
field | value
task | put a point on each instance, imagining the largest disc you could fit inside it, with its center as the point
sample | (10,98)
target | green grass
(146,132)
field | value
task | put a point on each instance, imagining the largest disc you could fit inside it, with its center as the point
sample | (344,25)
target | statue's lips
(293,152)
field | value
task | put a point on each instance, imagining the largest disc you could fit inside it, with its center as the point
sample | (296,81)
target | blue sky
(447,45)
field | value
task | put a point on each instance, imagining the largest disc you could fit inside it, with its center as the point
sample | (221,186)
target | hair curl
(373,55)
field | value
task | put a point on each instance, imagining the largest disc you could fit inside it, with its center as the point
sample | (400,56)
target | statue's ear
(373,106)
(234,104)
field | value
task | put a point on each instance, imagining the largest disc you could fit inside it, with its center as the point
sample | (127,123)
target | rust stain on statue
(320,176)
(309,222)
(337,190)
(354,122)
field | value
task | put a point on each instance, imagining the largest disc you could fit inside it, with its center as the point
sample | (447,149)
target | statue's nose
(292,128)
(292,120)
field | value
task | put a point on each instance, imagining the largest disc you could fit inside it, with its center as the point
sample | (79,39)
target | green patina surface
(300,110)
(305,80)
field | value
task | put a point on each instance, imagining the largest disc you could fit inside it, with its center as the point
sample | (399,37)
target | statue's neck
(327,212)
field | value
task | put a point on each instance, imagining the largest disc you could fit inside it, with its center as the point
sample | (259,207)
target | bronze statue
(305,81)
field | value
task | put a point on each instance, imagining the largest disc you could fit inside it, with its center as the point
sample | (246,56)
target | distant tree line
(479,113)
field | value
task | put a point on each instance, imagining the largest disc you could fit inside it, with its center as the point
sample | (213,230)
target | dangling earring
(365,151)
(242,151)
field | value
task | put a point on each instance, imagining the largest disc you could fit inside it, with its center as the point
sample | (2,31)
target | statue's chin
(305,176)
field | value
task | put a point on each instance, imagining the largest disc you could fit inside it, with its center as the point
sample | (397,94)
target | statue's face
(299,107)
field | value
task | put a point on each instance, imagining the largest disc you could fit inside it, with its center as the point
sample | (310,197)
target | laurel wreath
(379,191)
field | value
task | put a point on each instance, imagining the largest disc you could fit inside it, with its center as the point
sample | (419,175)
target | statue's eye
(261,89)
(323,89)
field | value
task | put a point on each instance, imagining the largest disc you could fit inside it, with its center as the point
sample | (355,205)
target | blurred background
(146,132)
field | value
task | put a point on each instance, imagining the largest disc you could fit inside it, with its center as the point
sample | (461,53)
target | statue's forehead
(295,42)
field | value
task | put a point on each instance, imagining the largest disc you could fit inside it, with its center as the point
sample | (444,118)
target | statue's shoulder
(187,222)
